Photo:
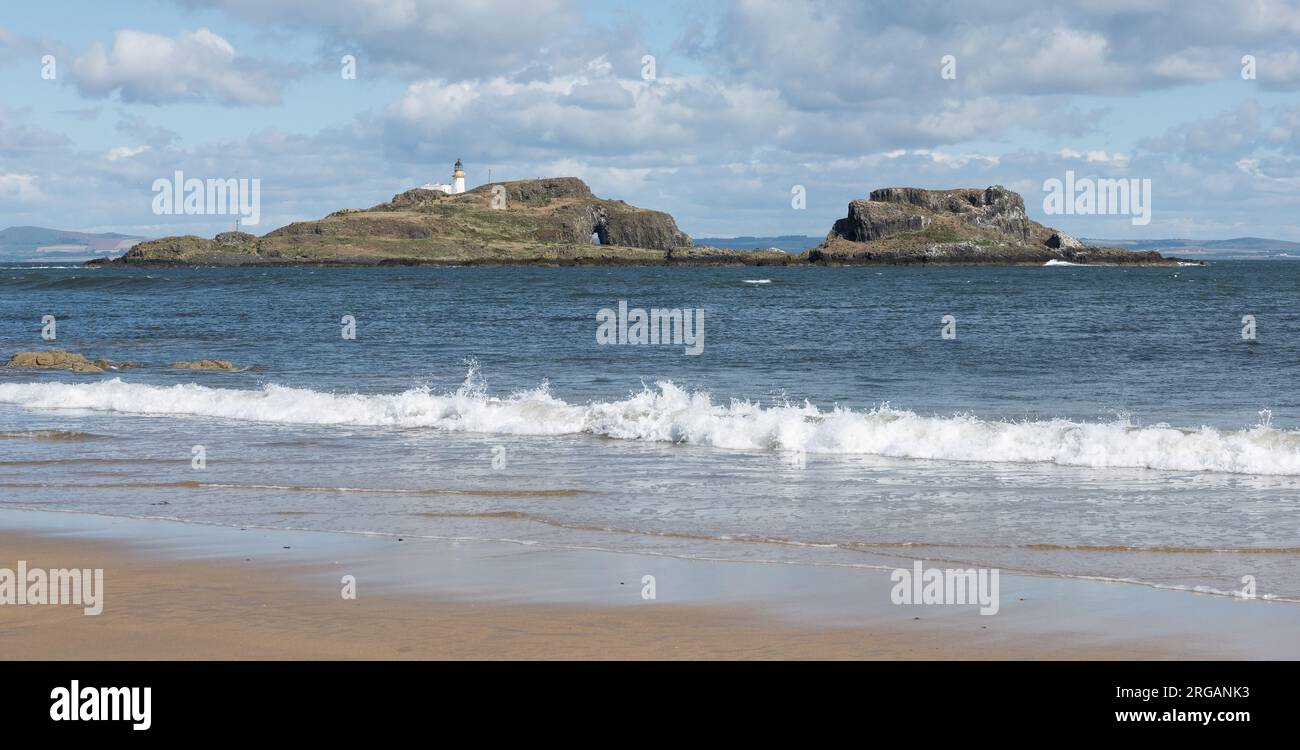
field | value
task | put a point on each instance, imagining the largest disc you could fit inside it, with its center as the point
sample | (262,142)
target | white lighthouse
(457,181)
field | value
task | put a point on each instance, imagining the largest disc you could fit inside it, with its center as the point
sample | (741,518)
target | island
(965,226)
(559,221)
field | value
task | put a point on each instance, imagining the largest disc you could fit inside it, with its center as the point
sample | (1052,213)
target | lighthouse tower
(458,178)
(457,181)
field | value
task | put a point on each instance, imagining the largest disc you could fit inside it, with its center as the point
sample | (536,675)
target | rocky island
(556,221)
(559,221)
(966,226)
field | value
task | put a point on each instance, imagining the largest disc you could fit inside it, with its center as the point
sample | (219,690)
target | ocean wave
(666,413)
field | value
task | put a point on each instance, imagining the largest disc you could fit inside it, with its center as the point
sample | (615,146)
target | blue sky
(750,98)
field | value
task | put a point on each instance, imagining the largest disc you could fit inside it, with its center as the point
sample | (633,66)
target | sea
(1135,425)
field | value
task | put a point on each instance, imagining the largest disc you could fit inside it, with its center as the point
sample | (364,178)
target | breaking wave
(666,413)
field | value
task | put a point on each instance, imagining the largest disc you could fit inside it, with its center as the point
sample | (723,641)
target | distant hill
(1241,248)
(791,243)
(50,245)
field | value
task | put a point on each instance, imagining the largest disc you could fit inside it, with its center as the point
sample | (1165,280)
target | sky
(748,102)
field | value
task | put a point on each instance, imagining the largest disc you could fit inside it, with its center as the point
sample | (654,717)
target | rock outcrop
(205,364)
(964,226)
(994,208)
(234,239)
(58,359)
(869,221)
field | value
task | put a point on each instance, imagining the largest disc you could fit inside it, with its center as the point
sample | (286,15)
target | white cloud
(1279,70)
(15,46)
(1196,65)
(20,187)
(432,38)
(839,54)
(193,66)
(1266,180)
(1095,156)
(943,158)
(125,152)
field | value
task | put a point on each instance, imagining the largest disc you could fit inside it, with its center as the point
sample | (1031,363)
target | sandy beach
(194,592)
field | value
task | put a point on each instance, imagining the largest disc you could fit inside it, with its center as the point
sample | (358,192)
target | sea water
(1065,421)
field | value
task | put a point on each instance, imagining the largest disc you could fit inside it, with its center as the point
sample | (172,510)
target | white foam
(1055,262)
(758,281)
(667,413)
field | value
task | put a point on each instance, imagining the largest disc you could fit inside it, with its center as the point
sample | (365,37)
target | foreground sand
(230,609)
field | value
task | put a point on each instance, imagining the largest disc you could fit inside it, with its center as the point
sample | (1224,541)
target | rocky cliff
(962,226)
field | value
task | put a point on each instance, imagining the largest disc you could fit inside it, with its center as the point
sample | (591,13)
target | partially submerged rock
(204,364)
(58,359)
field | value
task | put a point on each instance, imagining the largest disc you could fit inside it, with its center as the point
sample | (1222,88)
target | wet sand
(181,591)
